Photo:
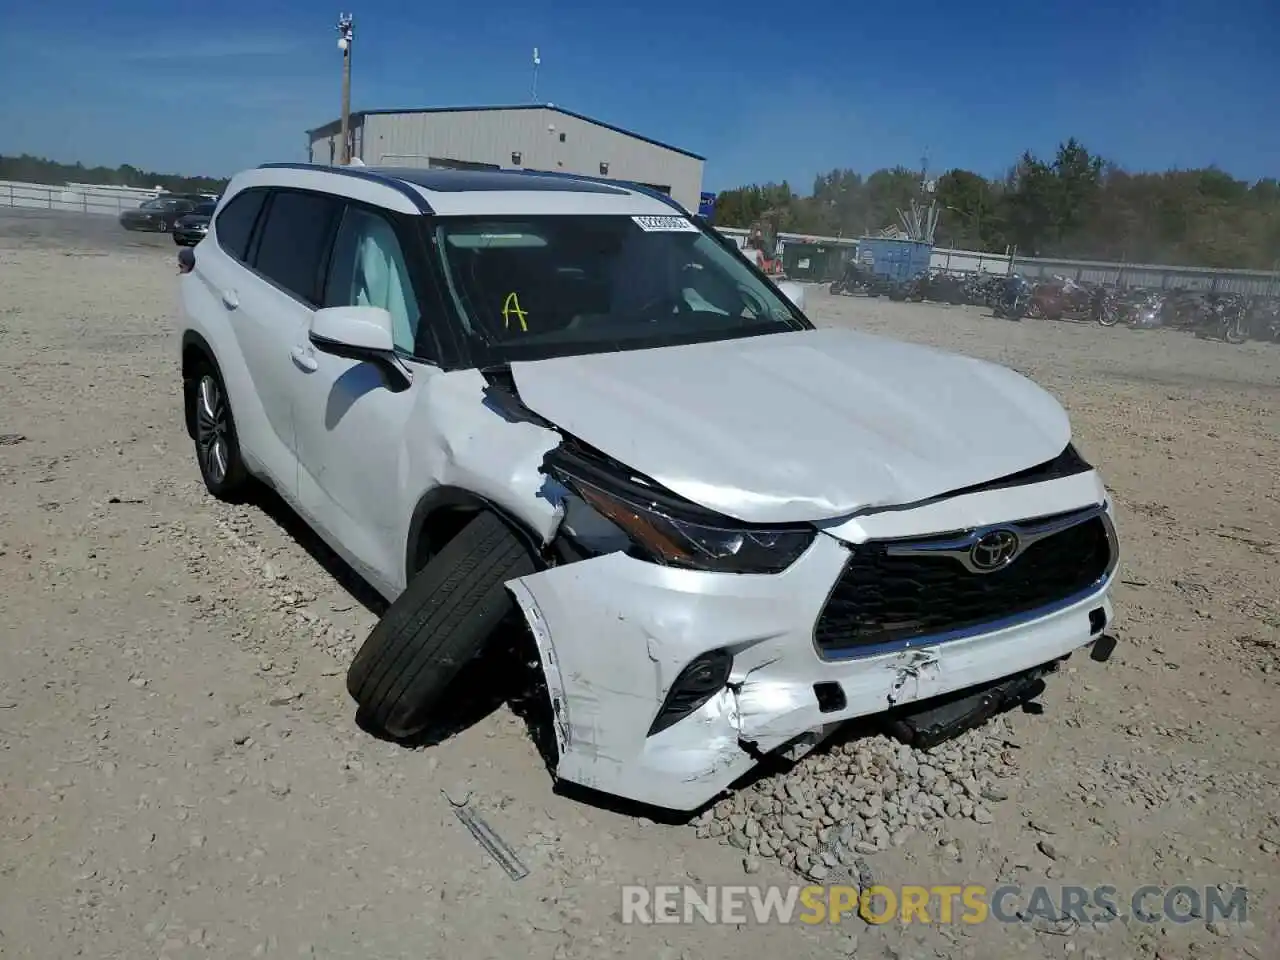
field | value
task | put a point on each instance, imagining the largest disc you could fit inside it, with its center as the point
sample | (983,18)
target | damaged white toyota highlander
(504,393)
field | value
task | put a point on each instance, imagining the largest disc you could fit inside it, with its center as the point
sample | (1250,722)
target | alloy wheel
(212,429)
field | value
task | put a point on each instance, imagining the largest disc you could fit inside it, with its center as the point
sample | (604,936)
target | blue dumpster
(893,259)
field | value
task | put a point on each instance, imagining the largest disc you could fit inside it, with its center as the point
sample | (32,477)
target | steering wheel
(675,302)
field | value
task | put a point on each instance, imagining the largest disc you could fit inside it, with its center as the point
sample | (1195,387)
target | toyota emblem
(994,550)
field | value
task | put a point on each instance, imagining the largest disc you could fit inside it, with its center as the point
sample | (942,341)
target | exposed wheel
(1109,317)
(443,620)
(214,431)
(1235,333)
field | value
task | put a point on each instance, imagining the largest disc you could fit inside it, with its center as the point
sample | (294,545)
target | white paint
(801,426)
(531,203)
(619,630)
(816,426)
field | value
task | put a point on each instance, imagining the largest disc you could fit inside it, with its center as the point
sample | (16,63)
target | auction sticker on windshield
(665,224)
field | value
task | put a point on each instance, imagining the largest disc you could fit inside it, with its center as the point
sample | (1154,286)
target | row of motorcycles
(1223,316)
(1232,317)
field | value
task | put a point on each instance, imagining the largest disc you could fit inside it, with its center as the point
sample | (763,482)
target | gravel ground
(181,776)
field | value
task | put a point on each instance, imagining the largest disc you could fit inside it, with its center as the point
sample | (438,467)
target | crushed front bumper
(614,632)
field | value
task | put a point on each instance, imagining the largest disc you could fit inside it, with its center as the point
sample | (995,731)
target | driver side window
(368,269)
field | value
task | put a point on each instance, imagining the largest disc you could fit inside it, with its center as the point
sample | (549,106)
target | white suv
(727,531)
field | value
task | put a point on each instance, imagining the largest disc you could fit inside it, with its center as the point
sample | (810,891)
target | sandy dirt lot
(181,776)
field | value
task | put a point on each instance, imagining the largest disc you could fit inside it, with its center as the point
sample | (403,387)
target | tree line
(1076,205)
(29,169)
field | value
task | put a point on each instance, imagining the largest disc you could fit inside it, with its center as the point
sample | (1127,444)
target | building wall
(492,136)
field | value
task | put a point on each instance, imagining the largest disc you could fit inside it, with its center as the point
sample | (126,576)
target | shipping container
(813,262)
(894,259)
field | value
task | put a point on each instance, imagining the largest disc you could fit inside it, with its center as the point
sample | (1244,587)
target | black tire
(209,419)
(441,622)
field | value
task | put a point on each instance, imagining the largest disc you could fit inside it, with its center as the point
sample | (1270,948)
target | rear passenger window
(235,222)
(294,239)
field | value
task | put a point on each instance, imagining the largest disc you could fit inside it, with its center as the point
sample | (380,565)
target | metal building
(527,137)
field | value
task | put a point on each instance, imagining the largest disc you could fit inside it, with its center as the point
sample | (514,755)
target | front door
(351,417)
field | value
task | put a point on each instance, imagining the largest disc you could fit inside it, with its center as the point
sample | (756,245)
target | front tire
(214,431)
(442,621)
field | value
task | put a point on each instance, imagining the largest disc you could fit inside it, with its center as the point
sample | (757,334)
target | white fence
(1155,275)
(969,261)
(73,198)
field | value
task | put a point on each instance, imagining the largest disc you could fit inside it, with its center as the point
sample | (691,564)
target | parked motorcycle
(1061,300)
(1016,298)
(1264,318)
(1135,307)
(860,279)
(1225,318)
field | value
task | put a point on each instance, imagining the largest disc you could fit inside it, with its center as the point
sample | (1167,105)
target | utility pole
(345,36)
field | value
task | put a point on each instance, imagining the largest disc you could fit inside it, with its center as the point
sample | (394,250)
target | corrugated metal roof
(334,125)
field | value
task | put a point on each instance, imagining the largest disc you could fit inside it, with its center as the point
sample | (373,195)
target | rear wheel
(214,431)
(441,622)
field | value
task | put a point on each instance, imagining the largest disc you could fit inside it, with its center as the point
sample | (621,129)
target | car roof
(464,192)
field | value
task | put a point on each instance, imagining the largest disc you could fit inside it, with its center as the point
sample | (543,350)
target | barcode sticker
(665,224)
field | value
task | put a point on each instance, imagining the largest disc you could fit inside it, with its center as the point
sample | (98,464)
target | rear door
(276,304)
(225,292)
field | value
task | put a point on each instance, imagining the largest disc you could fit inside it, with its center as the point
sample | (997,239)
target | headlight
(687,537)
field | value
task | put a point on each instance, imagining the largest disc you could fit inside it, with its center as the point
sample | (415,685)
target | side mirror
(793,292)
(186,260)
(359,333)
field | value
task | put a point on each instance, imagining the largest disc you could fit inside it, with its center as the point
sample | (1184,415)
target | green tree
(1076,205)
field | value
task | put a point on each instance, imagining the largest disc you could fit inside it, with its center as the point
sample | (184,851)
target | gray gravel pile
(822,816)
(291,601)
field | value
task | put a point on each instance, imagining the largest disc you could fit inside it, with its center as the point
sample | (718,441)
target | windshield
(159,203)
(573,284)
(206,208)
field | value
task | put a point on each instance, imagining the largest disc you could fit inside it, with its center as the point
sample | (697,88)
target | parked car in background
(159,213)
(189,229)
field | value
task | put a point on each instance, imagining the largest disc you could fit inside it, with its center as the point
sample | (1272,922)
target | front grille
(883,599)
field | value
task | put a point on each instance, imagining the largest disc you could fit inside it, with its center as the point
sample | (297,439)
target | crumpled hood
(800,426)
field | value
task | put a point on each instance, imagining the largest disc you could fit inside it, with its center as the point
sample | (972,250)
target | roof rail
(358,173)
(603,181)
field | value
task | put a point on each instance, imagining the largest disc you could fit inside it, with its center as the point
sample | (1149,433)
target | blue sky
(767,91)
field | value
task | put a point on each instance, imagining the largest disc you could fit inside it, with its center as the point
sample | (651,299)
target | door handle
(304,360)
(230,300)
